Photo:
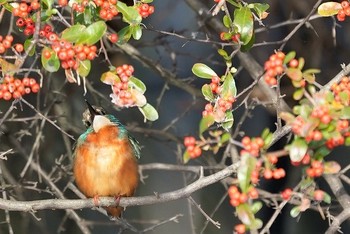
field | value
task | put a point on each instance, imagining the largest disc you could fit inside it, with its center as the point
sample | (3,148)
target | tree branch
(74,204)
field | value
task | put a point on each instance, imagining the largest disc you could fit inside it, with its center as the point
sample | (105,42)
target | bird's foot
(97,200)
(117,200)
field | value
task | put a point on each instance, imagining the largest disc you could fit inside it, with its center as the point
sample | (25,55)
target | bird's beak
(91,109)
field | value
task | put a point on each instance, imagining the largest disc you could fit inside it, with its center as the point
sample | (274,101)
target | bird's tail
(114,211)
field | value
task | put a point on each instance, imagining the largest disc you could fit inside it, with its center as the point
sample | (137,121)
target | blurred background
(324,43)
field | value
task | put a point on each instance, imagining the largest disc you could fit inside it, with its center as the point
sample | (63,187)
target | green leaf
(225,137)
(229,87)
(27,44)
(51,64)
(256,206)
(84,68)
(295,211)
(228,122)
(267,136)
(74,33)
(329,8)
(149,112)
(298,94)
(224,54)
(137,84)
(345,113)
(130,14)
(344,97)
(93,33)
(124,35)
(247,166)
(243,20)
(294,73)
(205,123)
(245,214)
(327,198)
(136,32)
(297,150)
(321,152)
(203,71)
(301,62)
(207,93)
(48,3)
(227,22)
(186,157)
(289,57)
(260,8)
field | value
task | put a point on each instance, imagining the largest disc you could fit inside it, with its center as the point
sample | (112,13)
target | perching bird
(105,159)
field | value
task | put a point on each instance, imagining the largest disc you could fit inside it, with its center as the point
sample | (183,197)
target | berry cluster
(316,169)
(274,67)
(345,11)
(22,10)
(221,104)
(237,198)
(277,173)
(16,88)
(5,43)
(193,150)
(341,90)
(70,55)
(145,10)
(121,92)
(252,145)
(108,8)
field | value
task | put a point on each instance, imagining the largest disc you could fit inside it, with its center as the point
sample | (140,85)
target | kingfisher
(105,159)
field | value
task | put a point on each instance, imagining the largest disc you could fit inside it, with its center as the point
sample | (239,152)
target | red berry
(286,194)
(318,195)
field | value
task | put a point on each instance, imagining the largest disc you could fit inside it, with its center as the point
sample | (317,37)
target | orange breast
(105,165)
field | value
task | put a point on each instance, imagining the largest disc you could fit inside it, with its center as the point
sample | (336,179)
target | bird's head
(96,117)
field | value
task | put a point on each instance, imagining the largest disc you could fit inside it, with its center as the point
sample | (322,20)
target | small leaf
(26,46)
(294,73)
(229,87)
(93,33)
(109,78)
(130,14)
(297,150)
(245,170)
(228,121)
(245,214)
(136,32)
(321,152)
(225,137)
(329,8)
(295,211)
(149,112)
(345,113)
(203,71)
(256,207)
(205,123)
(327,198)
(207,93)
(137,84)
(84,68)
(260,9)
(74,33)
(243,20)
(51,64)
(227,22)
(298,94)
(224,54)
(301,62)
(124,35)
(186,157)
(287,117)
(289,57)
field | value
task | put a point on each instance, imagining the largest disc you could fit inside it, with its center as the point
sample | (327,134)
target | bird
(105,159)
